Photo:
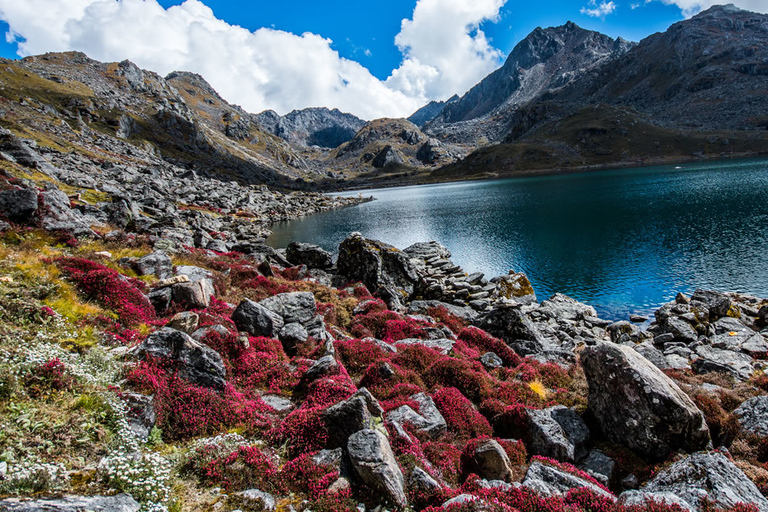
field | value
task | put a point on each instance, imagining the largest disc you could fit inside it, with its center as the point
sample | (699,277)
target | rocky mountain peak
(315,126)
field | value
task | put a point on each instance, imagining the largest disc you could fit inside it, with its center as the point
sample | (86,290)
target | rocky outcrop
(376,465)
(257,320)
(118,503)
(638,406)
(557,432)
(310,255)
(312,126)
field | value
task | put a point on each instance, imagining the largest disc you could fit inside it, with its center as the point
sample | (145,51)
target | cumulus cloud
(692,7)
(598,10)
(266,68)
(445,52)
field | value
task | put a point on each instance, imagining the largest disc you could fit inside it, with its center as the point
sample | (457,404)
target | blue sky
(372,58)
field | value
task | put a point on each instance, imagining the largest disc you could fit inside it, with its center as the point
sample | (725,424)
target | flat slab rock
(118,503)
(550,481)
(753,415)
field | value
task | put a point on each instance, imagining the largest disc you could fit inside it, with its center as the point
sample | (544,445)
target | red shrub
(303,431)
(372,322)
(508,421)
(395,330)
(453,322)
(357,355)
(471,379)
(245,468)
(51,376)
(480,339)
(461,417)
(382,378)
(263,370)
(110,289)
(329,390)
(415,357)
(445,457)
(303,475)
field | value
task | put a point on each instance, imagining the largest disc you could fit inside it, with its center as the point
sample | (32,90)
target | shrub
(245,468)
(471,380)
(303,431)
(445,457)
(475,337)
(383,378)
(51,376)
(460,415)
(453,322)
(358,354)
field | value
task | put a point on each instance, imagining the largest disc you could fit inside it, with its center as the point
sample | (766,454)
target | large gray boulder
(428,419)
(257,320)
(374,462)
(58,216)
(708,475)
(117,503)
(736,364)
(310,255)
(18,205)
(157,263)
(753,416)
(557,432)
(638,406)
(349,416)
(198,363)
(488,461)
(293,307)
(382,268)
(550,481)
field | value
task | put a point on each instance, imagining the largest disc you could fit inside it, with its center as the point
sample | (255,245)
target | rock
(491,360)
(464,502)
(643,499)
(718,304)
(18,205)
(58,216)
(374,462)
(292,335)
(194,295)
(278,403)
(738,365)
(198,363)
(255,499)
(160,299)
(654,355)
(428,419)
(141,417)
(354,414)
(326,366)
(637,405)
(257,320)
(383,269)
(618,329)
(200,334)
(442,345)
(165,283)
(753,415)
(117,503)
(292,307)
(515,286)
(185,322)
(557,432)
(387,156)
(599,466)
(157,263)
(707,475)
(310,255)
(550,481)
(638,319)
(422,482)
(329,458)
(516,328)
(487,460)
(680,330)
(562,307)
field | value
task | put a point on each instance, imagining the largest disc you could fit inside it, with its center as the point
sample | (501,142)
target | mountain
(312,126)
(546,60)
(429,111)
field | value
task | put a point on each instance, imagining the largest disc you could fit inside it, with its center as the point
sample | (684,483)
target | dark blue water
(624,241)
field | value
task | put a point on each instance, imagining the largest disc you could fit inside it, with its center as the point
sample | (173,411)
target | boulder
(18,205)
(194,295)
(736,364)
(292,335)
(422,482)
(753,415)
(428,419)
(383,269)
(310,255)
(491,360)
(198,363)
(642,499)
(156,263)
(487,460)
(297,307)
(58,216)
(516,286)
(442,345)
(550,481)
(117,503)
(562,307)
(326,366)
(257,320)
(201,333)
(708,475)
(141,417)
(349,416)
(557,432)
(599,466)
(511,324)
(718,304)
(637,405)
(255,499)
(375,464)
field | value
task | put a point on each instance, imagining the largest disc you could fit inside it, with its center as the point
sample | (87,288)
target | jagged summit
(315,126)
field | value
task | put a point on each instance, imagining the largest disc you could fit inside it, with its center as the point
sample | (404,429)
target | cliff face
(312,126)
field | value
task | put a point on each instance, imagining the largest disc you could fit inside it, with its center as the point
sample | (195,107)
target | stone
(254,498)
(198,363)
(18,205)
(491,360)
(680,330)
(557,432)
(382,268)
(326,366)
(165,283)
(642,499)
(717,303)
(117,503)
(373,460)
(278,403)
(599,466)
(156,263)
(487,460)
(297,307)
(637,405)
(310,255)
(428,419)
(753,415)
(617,329)
(141,417)
(291,335)
(185,322)
(550,481)
(194,295)
(200,334)
(562,307)
(654,355)
(442,345)
(257,320)
(349,416)
(422,482)
(638,319)
(516,328)
(738,365)
(707,475)
(160,298)
(58,216)
(515,286)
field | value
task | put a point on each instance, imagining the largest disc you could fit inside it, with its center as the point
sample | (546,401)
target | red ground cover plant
(460,415)
(50,376)
(382,379)
(467,376)
(453,322)
(483,341)
(245,468)
(445,457)
(302,431)
(357,354)
(508,421)
(109,288)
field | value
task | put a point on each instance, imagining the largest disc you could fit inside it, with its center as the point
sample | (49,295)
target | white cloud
(444,52)
(598,11)
(692,7)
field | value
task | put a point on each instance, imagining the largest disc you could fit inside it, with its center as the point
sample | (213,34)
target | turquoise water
(624,241)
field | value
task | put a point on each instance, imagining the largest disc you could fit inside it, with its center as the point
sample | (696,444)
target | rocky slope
(144,370)
(312,126)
